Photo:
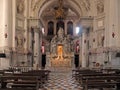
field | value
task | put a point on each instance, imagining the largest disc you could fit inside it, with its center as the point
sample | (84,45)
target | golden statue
(60,52)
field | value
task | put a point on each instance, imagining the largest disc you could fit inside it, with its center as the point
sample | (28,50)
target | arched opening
(50,28)
(59,24)
(70,28)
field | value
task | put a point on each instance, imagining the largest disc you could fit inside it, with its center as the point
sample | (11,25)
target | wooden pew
(43,73)
(21,81)
(77,73)
(98,78)
(18,89)
(100,82)
(81,76)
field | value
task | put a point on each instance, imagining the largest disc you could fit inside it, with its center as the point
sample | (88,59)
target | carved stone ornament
(86,4)
(100,7)
(20,6)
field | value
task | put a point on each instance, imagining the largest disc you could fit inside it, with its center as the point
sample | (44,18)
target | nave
(61,79)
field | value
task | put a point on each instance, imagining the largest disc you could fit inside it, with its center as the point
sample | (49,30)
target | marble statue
(60,34)
(65,45)
(53,44)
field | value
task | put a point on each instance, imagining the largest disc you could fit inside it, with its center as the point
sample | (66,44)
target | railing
(21,69)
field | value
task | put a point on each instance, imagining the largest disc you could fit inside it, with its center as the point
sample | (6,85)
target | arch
(72,4)
(70,28)
(50,28)
(60,24)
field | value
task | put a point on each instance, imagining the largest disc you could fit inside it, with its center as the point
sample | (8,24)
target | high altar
(61,51)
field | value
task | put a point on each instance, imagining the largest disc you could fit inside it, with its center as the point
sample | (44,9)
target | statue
(60,34)
(60,52)
(53,44)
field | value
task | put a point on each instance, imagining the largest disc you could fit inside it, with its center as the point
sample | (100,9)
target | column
(118,20)
(26,25)
(111,9)
(29,47)
(80,53)
(74,27)
(84,42)
(65,22)
(40,52)
(55,27)
(7,25)
(26,33)
(13,60)
(5,31)
(36,49)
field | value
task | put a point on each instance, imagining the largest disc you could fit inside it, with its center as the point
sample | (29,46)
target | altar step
(60,69)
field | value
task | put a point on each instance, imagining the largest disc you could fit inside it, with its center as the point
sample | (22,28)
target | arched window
(60,24)
(50,28)
(70,28)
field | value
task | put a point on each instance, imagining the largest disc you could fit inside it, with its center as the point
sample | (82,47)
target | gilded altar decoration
(61,52)
(60,11)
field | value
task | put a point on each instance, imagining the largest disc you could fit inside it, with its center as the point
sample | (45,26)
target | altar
(60,63)
(61,51)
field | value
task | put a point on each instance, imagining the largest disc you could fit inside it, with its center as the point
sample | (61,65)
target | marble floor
(61,80)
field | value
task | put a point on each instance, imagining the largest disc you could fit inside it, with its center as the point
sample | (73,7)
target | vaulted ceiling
(45,7)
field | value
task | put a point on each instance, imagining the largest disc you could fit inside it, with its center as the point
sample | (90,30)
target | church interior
(60,45)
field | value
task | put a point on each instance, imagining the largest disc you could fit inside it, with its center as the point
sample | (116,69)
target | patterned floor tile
(61,81)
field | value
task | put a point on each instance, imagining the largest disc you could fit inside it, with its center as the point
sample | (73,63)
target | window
(70,28)
(50,28)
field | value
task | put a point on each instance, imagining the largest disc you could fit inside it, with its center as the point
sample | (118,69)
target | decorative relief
(20,23)
(60,39)
(20,6)
(100,6)
(34,4)
(100,38)
(20,40)
(100,23)
(86,4)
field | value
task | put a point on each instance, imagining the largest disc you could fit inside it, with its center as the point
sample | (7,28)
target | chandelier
(60,11)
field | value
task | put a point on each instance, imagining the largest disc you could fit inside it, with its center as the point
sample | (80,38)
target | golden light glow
(60,52)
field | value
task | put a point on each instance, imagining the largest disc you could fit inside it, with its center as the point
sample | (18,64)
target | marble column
(36,49)
(13,60)
(5,31)
(30,47)
(84,42)
(111,9)
(7,25)
(40,52)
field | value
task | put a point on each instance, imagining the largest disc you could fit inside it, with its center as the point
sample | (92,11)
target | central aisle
(61,81)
